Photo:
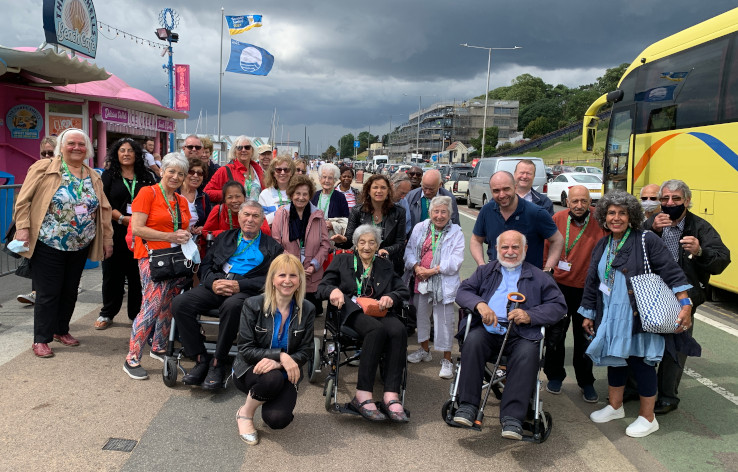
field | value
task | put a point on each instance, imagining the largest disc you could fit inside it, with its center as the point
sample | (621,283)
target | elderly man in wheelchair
(486,293)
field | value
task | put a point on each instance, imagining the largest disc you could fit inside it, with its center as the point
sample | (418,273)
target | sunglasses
(281,170)
(193,147)
(649,198)
(246,147)
(676,200)
(198,173)
(414,174)
(300,171)
(47,153)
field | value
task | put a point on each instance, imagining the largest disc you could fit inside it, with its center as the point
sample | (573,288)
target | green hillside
(570,152)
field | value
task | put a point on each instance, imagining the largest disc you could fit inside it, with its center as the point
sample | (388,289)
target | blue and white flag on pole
(249,59)
(242,23)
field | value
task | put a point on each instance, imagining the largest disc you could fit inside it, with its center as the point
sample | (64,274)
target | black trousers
(556,342)
(55,276)
(116,270)
(273,388)
(481,347)
(200,299)
(380,336)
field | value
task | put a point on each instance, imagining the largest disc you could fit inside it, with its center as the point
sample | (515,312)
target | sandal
(371,415)
(397,417)
(252,439)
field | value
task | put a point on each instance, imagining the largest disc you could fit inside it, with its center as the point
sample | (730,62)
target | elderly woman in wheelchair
(486,293)
(368,295)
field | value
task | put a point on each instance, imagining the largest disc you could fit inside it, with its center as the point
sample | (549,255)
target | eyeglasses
(198,173)
(414,174)
(653,199)
(47,153)
(246,147)
(300,171)
(674,198)
(281,170)
(193,147)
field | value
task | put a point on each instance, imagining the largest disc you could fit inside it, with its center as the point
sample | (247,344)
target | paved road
(59,413)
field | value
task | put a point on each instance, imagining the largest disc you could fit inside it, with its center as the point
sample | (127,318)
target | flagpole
(220,70)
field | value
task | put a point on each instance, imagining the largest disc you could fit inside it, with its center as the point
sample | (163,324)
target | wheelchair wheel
(169,373)
(330,386)
(313,365)
(447,412)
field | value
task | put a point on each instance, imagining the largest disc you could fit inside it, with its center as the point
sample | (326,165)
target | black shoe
(214,380)
(663,407)
(512,429)
(465,415)
(197,374)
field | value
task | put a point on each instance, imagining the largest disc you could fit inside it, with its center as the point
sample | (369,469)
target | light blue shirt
(250,258)
(498,302)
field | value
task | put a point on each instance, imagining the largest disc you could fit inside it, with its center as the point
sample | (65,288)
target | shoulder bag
(169,263)
(657,304)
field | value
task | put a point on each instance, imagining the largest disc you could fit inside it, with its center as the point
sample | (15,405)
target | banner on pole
(249,59)
(242,23)
(182,87)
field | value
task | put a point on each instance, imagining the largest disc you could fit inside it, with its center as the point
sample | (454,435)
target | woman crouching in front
(275,340)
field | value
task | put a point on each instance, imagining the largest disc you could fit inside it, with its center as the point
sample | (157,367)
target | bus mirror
(590,133)
(615,96)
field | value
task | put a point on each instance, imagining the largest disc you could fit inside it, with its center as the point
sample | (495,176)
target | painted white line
(717,324)
(468,216)
(712,386)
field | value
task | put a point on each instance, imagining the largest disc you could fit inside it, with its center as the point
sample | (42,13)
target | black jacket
(224,247)
(542,201)
(255,334)
(337,208)
(383,280)
(393,230)
(714,259)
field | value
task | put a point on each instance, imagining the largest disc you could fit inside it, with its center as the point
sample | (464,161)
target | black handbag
(9,236)
(24,268)
(169,263)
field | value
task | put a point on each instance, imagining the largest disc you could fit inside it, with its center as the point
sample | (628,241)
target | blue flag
(249,59)
(239,24)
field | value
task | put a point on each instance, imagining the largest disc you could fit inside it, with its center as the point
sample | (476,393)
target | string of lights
(104,27)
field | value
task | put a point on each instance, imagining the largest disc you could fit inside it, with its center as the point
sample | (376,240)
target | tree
(538,127)
(346,145)
(549,108)
(330,153)
(490,141)
(609,81)
(365,139)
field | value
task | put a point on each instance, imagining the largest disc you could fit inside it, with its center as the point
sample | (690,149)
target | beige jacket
(42,182)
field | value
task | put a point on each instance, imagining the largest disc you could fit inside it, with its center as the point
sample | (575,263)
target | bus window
(730,92)
(615,164)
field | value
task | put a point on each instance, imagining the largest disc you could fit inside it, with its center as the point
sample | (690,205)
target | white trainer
(27,298)
(607,414)
(447,369)
(419,355)
(641,427)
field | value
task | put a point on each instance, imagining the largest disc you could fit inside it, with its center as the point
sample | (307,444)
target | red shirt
(218,222)
(151,201)
(214,188)
(581,254)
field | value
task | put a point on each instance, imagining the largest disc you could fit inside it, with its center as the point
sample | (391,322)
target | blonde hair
(289,262)
(270,179)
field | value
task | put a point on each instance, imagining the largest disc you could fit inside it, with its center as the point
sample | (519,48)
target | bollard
(359,176)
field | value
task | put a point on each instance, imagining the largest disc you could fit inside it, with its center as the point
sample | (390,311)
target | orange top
(151,201)
(581,253)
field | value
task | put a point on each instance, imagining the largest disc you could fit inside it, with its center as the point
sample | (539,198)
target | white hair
(328,167)
(90,151)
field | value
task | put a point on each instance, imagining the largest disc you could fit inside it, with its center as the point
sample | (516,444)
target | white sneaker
(607,414)
(447,369)
(28,298)
(419,355)
(641,427)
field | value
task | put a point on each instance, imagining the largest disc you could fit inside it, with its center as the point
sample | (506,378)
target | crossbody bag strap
(645,254)
(179,214)
(228,171)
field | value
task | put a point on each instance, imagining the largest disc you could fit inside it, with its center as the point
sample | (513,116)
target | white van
(479,192)
(377,160)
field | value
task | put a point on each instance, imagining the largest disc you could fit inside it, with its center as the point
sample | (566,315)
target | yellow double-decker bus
(675,116)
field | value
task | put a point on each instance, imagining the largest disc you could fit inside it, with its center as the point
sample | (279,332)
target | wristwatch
(120,220)
(685,301)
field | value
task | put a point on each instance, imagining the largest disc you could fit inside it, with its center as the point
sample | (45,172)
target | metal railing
(8,264)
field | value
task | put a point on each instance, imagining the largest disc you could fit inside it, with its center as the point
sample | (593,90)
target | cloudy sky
(346,66)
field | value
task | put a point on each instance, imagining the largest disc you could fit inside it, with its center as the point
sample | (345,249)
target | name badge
(604,288)
(128,209)
(227,268)
(80,210)
(565,266)
(353,299)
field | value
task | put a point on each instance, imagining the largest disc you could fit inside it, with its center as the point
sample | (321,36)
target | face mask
(650,205)
(674,212)
(579,219)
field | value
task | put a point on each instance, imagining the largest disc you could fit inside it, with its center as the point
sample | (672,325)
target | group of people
(274,248)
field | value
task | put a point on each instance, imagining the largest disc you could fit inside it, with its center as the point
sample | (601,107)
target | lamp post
(486,90)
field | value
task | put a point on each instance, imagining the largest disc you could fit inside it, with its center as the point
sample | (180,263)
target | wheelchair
(538,423)
(337,347)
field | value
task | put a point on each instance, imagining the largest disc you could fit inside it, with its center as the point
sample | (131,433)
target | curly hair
(621,199)
(366,205)
(142,173)
(298,180)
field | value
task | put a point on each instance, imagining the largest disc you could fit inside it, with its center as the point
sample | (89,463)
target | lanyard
(608,268)
(327,200)
(73,178)
(435,237)
(566,243)
(279,196)
(132,188)
(230,217)
(240,238)
(426,204)
(172,208)
(250,181)
(364,276)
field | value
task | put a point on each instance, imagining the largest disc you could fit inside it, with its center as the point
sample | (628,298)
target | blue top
(528,218)
(498,302)
(280,342)
(250,258)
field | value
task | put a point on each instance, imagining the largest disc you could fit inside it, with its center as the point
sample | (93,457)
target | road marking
(717,324)
(468,216)
(712,386)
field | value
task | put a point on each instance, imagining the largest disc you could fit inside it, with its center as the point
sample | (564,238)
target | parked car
(549,173)
(403,168)
(558,169)
(588,170)
(558,188)
(390,169)
(458,182)
(479,192)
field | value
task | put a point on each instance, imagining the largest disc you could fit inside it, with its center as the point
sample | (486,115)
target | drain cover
(118,444)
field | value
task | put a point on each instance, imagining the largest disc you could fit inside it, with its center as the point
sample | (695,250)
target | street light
(486,90)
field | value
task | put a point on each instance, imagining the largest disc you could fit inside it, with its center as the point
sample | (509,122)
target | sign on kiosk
(71,24)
